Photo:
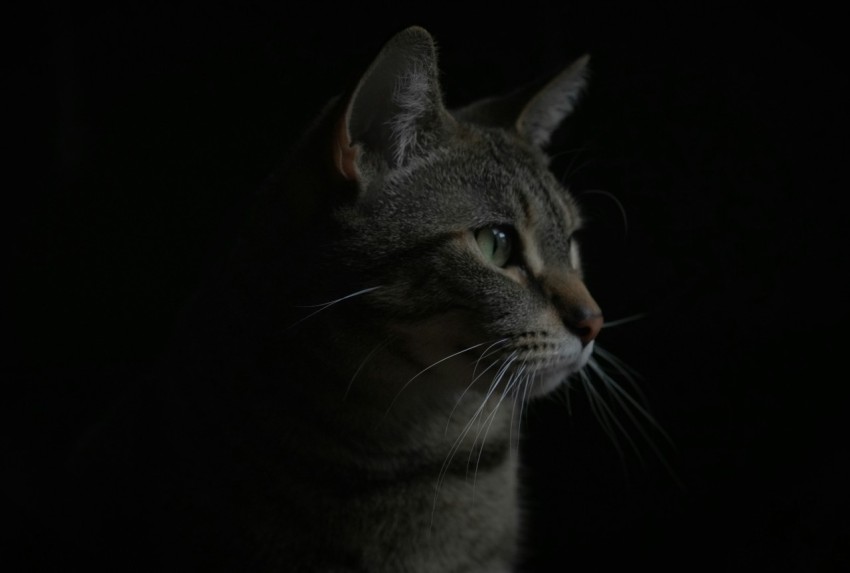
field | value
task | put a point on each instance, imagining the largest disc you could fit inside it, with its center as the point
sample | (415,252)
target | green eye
(496,244)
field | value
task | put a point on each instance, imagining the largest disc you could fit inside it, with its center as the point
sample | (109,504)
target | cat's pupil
(496,244)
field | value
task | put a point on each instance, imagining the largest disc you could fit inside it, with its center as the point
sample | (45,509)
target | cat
(345,393)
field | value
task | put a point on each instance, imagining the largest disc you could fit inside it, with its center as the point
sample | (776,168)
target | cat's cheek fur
(428,344)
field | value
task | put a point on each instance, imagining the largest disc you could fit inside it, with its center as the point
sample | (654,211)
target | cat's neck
(389,402)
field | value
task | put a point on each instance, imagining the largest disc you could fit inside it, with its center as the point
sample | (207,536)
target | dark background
(719,130)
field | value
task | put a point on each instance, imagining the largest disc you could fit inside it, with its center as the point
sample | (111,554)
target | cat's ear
(536,111)
(396,111)
(551,105)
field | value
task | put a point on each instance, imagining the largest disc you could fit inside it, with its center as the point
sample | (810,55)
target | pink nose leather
(587,327)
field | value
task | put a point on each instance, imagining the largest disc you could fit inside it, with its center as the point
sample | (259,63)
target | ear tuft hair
(396,111)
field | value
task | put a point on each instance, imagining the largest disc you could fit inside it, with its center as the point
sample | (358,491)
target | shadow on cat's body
(344,394)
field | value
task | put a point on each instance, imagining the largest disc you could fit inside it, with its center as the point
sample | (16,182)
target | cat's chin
(548,379)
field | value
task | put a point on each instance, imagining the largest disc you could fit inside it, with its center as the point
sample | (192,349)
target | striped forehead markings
(530,252)
(533,197)
(540,210)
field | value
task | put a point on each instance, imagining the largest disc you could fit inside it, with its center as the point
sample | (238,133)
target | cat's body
(346,393)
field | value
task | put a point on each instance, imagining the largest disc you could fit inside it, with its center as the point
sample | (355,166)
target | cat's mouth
(551,374)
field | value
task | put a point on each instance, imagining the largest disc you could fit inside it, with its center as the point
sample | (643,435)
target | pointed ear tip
(577,72)
(580,63)
(416,30)
(416,34)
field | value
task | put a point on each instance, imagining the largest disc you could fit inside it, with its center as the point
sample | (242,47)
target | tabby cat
(345,395)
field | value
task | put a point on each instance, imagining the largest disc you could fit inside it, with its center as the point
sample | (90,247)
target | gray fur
(345,394)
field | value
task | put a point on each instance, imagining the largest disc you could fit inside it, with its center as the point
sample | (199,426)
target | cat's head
(449,226)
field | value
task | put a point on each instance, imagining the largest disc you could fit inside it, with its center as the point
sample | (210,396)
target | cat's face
(475,250)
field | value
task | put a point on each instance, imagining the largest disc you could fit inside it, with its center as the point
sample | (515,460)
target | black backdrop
(719,130)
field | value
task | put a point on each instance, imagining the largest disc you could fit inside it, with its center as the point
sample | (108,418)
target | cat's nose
(579,312)
(586,324)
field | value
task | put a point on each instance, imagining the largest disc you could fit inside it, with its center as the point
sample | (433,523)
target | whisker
(517,396)
(625,370)
(616,362)
(616,421)
(616,202)
(485,427)
(523,410)
(571,170)
(601,417)
(464,432)
(523,404)
(336,300)
(483,354)
(465,390)
(326,305)
(427,368)
(381,345)
(620,395)
(626,320)
(613,384)
(492,417)
(610,382)
(511,384)
(497,379)
(609,415)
